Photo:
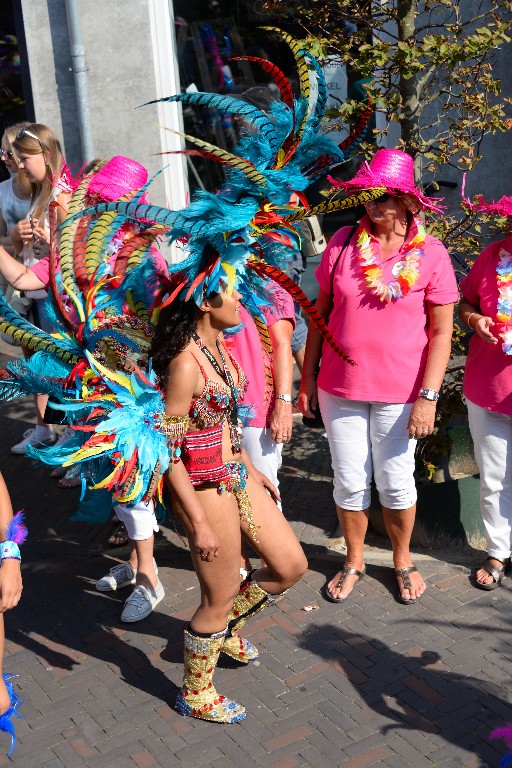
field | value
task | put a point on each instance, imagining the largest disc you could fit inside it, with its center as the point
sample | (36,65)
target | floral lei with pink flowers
(370,263)
(504,309)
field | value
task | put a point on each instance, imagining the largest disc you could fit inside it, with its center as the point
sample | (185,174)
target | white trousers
(369,440)
(492,436)
(265,453)
(138,519)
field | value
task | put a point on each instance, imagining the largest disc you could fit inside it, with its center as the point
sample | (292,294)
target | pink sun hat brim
(392,169)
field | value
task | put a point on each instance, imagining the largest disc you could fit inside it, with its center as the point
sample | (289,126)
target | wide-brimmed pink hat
(117,178)
(503,207)
(390,168)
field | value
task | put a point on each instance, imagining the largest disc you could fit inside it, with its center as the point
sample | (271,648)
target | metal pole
(79,70)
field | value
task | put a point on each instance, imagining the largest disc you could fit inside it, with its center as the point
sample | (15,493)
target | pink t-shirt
(41,269)
(488,373)
(246,347)
(388,342)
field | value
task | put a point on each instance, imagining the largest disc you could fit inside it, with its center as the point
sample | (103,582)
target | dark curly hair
(176,324)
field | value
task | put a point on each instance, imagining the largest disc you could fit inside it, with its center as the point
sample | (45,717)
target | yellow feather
(231,275)
(123,381)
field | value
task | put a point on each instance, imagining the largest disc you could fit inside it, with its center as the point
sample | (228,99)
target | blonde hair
(47,143)
(10,135)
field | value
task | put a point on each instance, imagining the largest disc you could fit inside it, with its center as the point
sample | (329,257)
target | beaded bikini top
(215,402)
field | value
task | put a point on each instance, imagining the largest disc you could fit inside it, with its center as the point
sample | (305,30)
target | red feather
(298,295)
(280,78)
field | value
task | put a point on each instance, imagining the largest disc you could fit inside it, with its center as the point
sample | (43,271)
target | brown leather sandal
(403,573)
(345,573)
(496,571)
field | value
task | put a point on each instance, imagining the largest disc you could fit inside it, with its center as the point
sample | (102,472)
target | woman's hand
(22,231)
(41,235)
(206,543)
(482,327)
(422,418)
(308,396)
(10,584)
(41,244)
(281,423)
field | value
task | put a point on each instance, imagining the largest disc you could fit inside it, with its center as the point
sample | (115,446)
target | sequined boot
(250,600)
(198,697)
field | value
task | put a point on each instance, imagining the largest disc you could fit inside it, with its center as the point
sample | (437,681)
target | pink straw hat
(390,168)
(117,178)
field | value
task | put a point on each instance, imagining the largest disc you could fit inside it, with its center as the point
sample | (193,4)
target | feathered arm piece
(16,530)
(505,734)
(28,335)
(130,434)
(6,724)
(298,295)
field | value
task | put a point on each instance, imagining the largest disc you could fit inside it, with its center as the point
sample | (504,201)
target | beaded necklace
(235,429)
(406,271)
(504,308)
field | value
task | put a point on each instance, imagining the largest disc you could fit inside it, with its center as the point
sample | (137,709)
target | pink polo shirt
(488,373)
(388,342)
(246,347)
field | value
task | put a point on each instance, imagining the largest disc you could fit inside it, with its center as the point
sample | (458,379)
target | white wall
(125,69)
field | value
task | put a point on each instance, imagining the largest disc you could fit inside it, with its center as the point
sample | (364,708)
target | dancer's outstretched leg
(285,564)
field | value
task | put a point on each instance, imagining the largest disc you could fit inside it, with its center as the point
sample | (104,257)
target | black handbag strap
(335,265)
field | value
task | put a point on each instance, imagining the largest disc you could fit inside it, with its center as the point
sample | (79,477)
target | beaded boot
(198,697)
(250,600)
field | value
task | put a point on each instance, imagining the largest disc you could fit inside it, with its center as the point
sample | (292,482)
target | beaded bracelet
(9,550)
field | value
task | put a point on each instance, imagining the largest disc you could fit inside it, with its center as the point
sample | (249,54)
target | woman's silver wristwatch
(428,394)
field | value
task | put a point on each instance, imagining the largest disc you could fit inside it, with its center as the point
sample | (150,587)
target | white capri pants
(138,519)
(265,453)
(492,436)
(369,439)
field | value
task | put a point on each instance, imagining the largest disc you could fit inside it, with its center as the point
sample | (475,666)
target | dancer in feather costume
(181,420)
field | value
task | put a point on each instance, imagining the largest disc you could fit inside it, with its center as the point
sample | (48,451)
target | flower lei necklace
(409,269)
(504,309)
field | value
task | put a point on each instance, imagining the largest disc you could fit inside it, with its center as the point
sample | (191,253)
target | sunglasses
(23,132)
(383,198)
(6,153)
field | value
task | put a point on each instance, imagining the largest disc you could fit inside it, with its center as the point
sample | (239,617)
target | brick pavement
(367,683)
